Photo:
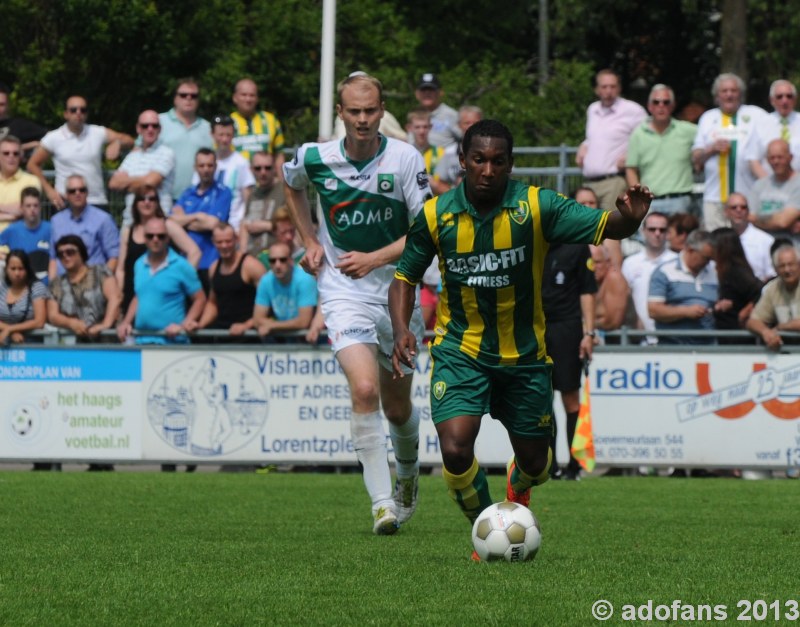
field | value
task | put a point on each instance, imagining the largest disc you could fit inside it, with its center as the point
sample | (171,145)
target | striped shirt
(490,306)
(260,132)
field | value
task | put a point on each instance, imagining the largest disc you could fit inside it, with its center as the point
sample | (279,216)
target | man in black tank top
(233,279)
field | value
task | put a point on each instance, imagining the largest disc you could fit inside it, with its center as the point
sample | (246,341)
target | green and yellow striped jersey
(261,132)
(490,306)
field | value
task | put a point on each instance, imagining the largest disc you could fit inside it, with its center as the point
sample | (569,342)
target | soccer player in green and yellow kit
(491,235)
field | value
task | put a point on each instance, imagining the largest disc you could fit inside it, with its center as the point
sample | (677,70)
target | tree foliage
(124,55)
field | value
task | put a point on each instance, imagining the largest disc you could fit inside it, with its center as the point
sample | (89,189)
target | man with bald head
(77,147)
(151,165)
(775,199)
(255,130)
(783,123)
(756,243)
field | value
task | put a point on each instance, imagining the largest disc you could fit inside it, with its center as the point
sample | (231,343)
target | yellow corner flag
(583,444)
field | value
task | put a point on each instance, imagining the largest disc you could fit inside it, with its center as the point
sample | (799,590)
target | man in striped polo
(255,130)
(491,235)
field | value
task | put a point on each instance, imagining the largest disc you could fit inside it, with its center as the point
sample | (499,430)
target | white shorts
(350,322)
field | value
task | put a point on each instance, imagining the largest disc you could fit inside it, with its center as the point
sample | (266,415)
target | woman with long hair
(132,243)
(739,288)
(23,299)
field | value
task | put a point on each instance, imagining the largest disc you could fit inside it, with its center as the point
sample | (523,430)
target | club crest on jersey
(439,389)
(330,184)
(386,183)
(544,421)
(521,213)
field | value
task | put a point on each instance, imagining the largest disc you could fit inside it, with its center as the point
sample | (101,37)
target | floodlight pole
(327,65)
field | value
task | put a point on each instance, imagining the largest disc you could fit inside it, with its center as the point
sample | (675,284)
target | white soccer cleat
(405,497)
(385,522)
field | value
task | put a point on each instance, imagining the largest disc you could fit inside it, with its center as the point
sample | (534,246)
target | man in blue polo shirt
(162,282)
(683,292)
(286,296)
(94,226)
(202,207)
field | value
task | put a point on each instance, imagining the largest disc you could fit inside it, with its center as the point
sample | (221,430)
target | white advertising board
(70,404)
(268,405)
(706,410)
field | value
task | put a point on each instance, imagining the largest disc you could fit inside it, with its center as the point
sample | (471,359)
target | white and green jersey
(363,206)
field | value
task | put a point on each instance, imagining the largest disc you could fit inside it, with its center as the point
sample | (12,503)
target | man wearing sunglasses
(76,147)
(94,226)
(286,296)
(782,123)
(151,165)
(660,154)
(12,180)
(257,231)
(185,132)
(638,268)
(163,282)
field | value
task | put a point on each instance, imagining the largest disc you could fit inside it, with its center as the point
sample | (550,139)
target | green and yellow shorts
(520,396)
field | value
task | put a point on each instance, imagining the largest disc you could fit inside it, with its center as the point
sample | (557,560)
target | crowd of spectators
(216,188)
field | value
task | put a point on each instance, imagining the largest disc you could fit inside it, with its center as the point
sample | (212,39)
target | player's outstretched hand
(405,351)
(635,202)
(313,259)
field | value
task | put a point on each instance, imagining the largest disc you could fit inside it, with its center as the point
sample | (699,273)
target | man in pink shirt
(609,124)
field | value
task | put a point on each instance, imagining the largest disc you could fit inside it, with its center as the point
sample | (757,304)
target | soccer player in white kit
(370,188)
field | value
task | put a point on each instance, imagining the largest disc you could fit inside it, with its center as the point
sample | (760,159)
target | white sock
(369,442)
(405,440)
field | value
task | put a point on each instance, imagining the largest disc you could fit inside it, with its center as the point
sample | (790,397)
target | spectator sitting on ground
(132,245)
(778,308)
(739,288)
(679,225)
(286,296)
(23,300)
(31,234)
(683,292)
(86,299)
(163,282)
(233,278)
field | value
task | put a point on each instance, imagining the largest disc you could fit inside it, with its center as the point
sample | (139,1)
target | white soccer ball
(506,531)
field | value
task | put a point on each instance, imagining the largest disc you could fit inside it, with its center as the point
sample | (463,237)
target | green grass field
(139,548)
